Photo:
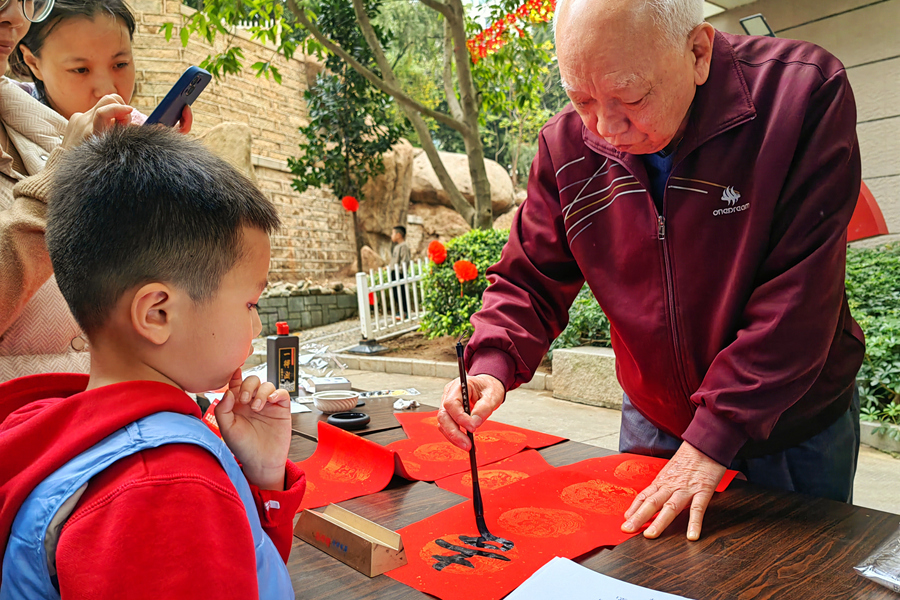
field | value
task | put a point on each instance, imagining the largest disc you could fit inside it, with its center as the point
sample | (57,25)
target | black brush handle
(473,462)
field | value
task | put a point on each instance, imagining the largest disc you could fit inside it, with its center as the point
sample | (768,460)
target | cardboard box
(324,384)
(366,546)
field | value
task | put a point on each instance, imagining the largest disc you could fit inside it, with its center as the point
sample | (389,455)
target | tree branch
(452,100)
(460,204)
(439,6)
(389,88)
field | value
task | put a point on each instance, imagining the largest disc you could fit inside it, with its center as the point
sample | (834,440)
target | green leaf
(185,36)
(167,29)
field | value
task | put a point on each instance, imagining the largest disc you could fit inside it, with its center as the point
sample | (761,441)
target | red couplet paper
(425,424)
(498,474)
(344,466)
(565,512)
(429,459)
(428,456)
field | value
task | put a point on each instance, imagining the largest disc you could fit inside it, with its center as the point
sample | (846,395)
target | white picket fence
(379,320)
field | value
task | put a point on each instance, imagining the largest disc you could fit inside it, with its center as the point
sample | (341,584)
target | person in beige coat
(37,332)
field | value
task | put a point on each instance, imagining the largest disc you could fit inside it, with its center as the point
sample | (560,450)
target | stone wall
(316,239)
(863,35)
(307,309)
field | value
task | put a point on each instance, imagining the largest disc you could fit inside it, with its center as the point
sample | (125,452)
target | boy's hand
(255,421)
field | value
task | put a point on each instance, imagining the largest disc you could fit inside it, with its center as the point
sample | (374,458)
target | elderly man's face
(629,86)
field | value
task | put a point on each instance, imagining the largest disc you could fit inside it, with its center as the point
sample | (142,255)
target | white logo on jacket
(731,196)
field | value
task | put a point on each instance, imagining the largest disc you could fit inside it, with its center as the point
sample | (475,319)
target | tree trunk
(460,204)
(358,239)
(480,216)
(481,187)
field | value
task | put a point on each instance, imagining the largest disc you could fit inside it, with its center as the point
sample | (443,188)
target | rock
(505,220)
(520,196)
(386,199)
(587,375)
(231,142)
(370,259)
(337,287)
(427,189)
(430,222)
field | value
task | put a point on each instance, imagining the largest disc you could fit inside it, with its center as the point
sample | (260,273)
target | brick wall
(316,239)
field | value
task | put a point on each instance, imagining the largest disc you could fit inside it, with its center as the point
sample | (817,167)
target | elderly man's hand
(486,394)
(690,477)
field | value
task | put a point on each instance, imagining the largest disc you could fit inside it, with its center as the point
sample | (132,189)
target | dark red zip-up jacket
(729,320)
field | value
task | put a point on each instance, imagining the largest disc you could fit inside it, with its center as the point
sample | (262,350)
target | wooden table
(756,543)
(380,410)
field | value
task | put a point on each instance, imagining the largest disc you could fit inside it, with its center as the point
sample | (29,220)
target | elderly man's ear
(700,44)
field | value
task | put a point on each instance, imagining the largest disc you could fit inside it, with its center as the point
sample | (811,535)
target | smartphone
(184,92)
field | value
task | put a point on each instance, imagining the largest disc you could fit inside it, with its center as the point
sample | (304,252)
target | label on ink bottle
(287,369)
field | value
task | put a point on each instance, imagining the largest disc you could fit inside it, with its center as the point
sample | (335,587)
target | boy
(111,486)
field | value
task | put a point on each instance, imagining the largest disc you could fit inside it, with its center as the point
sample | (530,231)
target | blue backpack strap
(25,572)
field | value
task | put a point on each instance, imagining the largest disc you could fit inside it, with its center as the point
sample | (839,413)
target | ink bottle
(281,358)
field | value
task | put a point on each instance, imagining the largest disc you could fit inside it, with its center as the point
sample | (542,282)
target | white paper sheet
(296,407)
(562,578)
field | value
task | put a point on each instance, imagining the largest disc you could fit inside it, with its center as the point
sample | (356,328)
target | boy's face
(219,337)
(396,237)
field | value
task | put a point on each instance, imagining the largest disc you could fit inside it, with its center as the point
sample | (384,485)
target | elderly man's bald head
(631,67)
(674,19)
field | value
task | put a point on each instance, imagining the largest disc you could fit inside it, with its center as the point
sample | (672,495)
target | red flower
(350,203)
(371,298)
(437,253)
(465,271)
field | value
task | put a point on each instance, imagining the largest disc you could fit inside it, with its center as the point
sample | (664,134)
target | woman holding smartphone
(78,54)
(37,332)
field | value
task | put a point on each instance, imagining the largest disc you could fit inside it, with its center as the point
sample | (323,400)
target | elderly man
(701,183)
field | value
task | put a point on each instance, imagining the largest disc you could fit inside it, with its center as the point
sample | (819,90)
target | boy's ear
(151,308)
(31,60)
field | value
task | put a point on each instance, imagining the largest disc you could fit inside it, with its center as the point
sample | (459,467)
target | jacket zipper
(670,293)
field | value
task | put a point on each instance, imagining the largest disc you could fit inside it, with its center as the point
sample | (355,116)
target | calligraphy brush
(485,535)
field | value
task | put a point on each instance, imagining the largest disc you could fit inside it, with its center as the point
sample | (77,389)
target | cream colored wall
(316,239)
(865,36)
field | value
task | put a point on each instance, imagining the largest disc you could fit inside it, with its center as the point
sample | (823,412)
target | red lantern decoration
(350,204)
(437,253)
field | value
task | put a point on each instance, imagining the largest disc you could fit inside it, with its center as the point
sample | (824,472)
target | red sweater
(162,523)
(727,308)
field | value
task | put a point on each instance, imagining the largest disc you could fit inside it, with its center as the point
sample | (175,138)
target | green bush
(873,291)
(588,326)
(448,312)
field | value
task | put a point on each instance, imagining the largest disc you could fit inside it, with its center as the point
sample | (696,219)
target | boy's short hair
(144,204)
(401,230)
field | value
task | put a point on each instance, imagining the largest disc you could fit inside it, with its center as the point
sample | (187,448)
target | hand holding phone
(182,94)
